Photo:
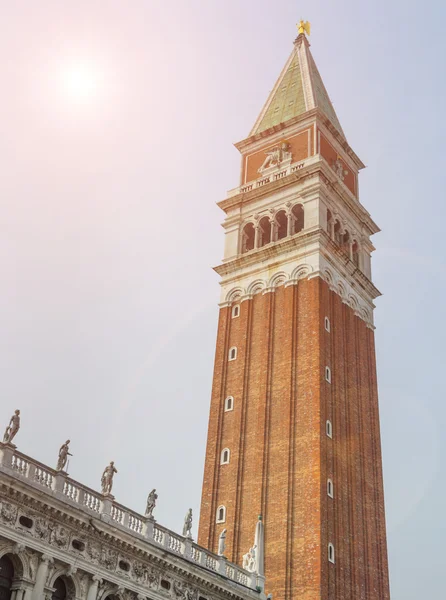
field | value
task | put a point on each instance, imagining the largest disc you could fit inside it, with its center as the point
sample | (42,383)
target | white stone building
(60,540)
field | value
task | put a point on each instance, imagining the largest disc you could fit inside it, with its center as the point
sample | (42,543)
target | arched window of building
(6,577)
(221,514)
(297,214)
(60,590)
(225,454)
(331,553)
(235,311)
(229,403)
(248,237)
(329,429)
(281,225)
(265,231)
(355,253)
(330,488)
(232,353)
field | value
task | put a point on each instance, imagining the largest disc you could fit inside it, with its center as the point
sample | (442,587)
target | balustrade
(51,482)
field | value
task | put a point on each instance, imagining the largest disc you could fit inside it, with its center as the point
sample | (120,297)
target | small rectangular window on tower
(328,374)
(236,311)
(327,324)
(331,553)
(232,353)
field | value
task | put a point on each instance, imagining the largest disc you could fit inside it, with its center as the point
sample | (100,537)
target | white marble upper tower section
(296,212)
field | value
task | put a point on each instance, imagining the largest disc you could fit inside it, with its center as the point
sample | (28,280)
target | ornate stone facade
(53,528)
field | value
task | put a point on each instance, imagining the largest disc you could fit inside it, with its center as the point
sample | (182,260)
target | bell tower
(294,425)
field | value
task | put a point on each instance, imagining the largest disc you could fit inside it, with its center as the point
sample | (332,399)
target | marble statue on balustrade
(250,561)
(63,456)
(222,543)
(187,527)
(107,478)
(151,503)
(12,429)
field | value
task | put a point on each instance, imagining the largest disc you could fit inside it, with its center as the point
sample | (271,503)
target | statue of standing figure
(187,527)
(12,428)
(222,543)
(63,456)
(107,478)
(151,503)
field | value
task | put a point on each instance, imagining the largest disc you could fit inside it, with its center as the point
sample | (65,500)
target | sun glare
(81,82)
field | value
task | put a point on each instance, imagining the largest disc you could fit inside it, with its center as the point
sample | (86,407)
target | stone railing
(272,176)
(59,485)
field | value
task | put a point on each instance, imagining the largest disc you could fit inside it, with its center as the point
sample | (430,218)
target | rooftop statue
(187,527)
(63,456)
(13,427)
(151,503)
(107,478)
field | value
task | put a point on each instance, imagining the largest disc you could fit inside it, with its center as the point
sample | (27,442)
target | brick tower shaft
(294,425)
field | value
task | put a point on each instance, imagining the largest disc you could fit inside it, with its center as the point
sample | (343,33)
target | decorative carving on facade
(182,591)
(94,551)
(60,536)
(109,558)
(338,168)
(42,529)
(8,512)
(276,157)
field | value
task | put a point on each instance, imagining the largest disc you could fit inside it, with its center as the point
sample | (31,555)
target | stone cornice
(317,237)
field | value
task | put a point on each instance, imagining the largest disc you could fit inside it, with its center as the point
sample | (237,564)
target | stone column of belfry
(303,428)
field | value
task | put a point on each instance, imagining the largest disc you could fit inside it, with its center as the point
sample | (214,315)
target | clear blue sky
(109,230)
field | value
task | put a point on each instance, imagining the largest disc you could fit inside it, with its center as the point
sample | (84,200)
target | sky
(118,126)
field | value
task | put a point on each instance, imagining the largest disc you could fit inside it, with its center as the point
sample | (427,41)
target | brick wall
(280,454)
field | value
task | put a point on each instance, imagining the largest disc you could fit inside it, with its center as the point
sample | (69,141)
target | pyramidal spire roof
(298,89)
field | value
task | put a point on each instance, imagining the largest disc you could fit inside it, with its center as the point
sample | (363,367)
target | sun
(81,82)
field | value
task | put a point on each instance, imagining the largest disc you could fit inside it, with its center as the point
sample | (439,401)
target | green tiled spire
(298,89)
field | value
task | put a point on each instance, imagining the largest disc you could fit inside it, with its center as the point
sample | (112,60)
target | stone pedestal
(188,548)
(59,481)
(222,560)
(106,507)
(6,454)
(149,523)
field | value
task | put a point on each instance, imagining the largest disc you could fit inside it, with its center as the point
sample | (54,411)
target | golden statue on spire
(303,27)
